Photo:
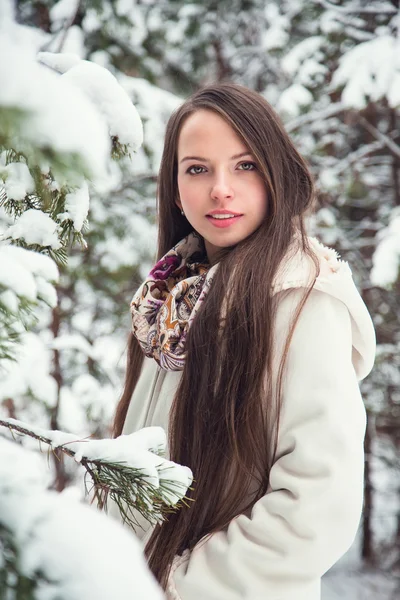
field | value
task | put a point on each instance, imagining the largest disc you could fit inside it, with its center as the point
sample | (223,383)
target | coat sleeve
(310,514)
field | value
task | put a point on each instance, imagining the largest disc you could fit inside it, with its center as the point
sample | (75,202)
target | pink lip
(223,222)
(223,211)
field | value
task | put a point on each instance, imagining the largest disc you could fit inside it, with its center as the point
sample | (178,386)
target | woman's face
(221,191)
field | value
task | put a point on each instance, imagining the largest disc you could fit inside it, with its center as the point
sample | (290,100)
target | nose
(221,187)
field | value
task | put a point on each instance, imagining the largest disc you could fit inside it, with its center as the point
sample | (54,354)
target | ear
(178,203)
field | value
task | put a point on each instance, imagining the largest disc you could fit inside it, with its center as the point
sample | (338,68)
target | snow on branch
(26,278)
(46,116)
(60,133)
(370,72)
(354,157)
(101,87)
(55,547)
(377,9)
(315,116)
(129,469)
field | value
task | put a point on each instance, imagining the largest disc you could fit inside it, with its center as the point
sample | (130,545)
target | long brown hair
(224,417)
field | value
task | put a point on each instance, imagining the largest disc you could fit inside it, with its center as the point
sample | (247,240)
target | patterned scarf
(166,303)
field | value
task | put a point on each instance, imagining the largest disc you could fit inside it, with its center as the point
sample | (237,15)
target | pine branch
(119,150)
(11,580)
(10,326)
(128,487)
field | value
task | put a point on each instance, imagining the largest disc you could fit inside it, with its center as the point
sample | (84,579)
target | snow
(88,403)
(46,291)
(329,23)
(7,12)
(88,398)
(136,450)
(77,206)
(328,179)
(9,300)
(293,100)
(276,35)
(62,11)
(304,64)
(91,21)
(15,276)
(304,50)
(18,182)
(132,31)
(123,8)
(370,71)
(60,116)
(30,374)
(386,258)
(35,227)
(80,551)
(24,271)
(128,250)
(74,342)
(155,107)
(101,87)
(73,43)
(60,62)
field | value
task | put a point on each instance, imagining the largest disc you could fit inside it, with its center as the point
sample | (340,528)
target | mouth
(223,219)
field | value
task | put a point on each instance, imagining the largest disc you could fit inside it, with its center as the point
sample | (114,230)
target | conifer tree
(60,135)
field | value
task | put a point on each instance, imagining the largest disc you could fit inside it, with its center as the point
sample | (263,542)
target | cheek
(189,190)
(260,196)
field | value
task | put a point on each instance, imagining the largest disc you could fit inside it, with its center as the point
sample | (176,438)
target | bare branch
(67,26)
(330,111)
(385,139)
(357,155)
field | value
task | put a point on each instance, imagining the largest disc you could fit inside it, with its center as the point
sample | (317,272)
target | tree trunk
(367,536)
(62,478)
(395,162)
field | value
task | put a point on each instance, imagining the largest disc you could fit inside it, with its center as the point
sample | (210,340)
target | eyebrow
(202,159)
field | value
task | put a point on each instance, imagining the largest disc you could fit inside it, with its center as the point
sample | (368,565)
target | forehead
(205,132)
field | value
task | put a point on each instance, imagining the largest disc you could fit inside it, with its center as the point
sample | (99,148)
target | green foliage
(133,493)
(12,324)
(13,584)
(21,146)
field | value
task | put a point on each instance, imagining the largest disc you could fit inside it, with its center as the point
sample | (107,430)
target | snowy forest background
(331,69)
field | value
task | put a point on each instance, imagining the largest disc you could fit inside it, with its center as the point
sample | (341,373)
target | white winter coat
(310,514)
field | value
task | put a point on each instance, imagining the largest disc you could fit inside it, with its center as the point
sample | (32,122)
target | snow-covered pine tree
(47,167)
(82,339)
(52,546)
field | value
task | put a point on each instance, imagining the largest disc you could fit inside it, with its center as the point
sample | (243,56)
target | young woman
(249,339)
